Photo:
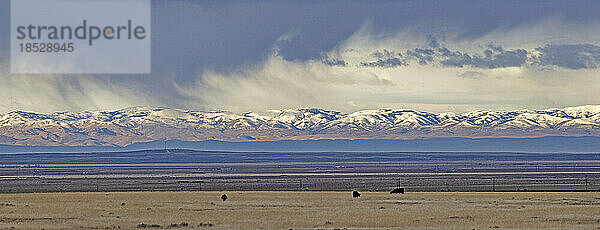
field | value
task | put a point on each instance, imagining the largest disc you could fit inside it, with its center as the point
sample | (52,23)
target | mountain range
(144,124)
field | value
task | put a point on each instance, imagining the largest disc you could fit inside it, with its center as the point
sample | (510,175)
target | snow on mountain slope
(138,124)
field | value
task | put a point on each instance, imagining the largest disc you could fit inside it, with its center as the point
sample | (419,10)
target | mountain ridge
(142,124)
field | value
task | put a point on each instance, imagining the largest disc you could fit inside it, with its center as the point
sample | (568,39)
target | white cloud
(48,93)
(278,83)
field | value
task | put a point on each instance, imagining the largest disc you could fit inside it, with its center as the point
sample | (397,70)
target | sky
(437,56)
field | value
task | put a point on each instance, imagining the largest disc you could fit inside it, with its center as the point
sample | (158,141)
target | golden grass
(284,210)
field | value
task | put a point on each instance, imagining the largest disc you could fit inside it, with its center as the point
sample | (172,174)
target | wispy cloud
(49,93)
(369,71)
(269,55)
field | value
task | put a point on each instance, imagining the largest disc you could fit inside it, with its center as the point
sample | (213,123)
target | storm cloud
(569,56)
(346,55)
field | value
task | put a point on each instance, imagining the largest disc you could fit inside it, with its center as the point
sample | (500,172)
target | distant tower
(398,189)
(165,145)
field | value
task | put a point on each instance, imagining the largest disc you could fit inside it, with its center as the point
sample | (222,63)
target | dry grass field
(299,210)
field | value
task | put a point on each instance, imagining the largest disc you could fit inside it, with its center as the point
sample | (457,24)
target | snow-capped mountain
(141,124)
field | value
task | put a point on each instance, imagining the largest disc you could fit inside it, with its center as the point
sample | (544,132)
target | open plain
(190,170)
(299,210)
(182,189)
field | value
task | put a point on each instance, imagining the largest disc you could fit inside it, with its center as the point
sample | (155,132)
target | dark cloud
(220,35)
(497,57)
(455,58)
(386,59)
(4,36)
(573,56)
(190,38)
(423,56)
(385,54)
(580,56)
(493,57)
(389,62)
(432,41)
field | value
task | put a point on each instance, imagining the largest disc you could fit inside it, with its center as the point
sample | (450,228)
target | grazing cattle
(224,197)
(397,190)
(355,194)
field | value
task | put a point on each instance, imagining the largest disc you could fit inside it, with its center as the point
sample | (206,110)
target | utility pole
(586,183)
(165,145)
(494,184)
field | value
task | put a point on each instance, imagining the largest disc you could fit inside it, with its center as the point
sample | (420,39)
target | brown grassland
(299,210)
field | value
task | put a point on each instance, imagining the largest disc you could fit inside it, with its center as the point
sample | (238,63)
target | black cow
(397,190)
(355,194)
